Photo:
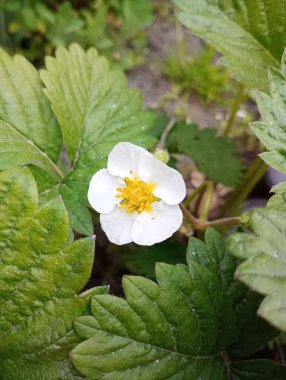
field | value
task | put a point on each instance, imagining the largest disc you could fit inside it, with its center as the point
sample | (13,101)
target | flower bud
(162,155)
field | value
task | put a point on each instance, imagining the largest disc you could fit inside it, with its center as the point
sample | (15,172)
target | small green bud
(244,219)
(162,155)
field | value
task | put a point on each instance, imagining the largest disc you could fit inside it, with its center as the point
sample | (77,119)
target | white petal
(170,186)
(102,191)
(153,227)
(118,226)
(123,159)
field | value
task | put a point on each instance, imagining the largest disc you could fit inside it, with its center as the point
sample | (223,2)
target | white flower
(137,196)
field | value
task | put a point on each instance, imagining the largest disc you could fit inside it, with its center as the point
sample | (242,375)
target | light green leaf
(255,31)
(264,268)
(280,188)
(213,155)
(271,130)
(278,200)
(40,277)
(95,110)
(28,129)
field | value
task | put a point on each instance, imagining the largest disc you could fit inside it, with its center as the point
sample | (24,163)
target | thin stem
(226,360)
(193,221)
(224,222)
(201,226)
(194,193)
(207,201)
(162,142)
(234,108)
(253,175)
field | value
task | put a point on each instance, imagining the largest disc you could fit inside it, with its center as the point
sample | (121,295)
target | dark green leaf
(215,156)
(176,329)
(257,370)
(213,255)
(254,332)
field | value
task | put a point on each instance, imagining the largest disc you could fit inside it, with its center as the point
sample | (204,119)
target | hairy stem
(199,225)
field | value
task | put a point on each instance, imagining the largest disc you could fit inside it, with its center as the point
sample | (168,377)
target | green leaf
(278,201)
(95,110)
(164,330)
(255,31)
(213,255)
(271,131)
(28,129)
(40,278)
(264,268)
(253,332)
(213,155)
(176,329)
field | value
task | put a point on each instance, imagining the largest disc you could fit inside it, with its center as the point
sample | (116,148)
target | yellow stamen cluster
(137,195)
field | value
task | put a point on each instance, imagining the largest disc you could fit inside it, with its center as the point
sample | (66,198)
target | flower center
(137,195)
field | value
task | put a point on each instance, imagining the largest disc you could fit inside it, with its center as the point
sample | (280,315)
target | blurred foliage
(199,73)
(114,27)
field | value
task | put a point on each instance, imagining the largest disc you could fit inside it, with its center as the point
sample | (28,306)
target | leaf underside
(255,30)
(264,266)
(271,130)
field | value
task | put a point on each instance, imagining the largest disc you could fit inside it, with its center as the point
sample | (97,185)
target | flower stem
(234,108)
(199,225)
(194,193)
(207,201)
(162,142)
